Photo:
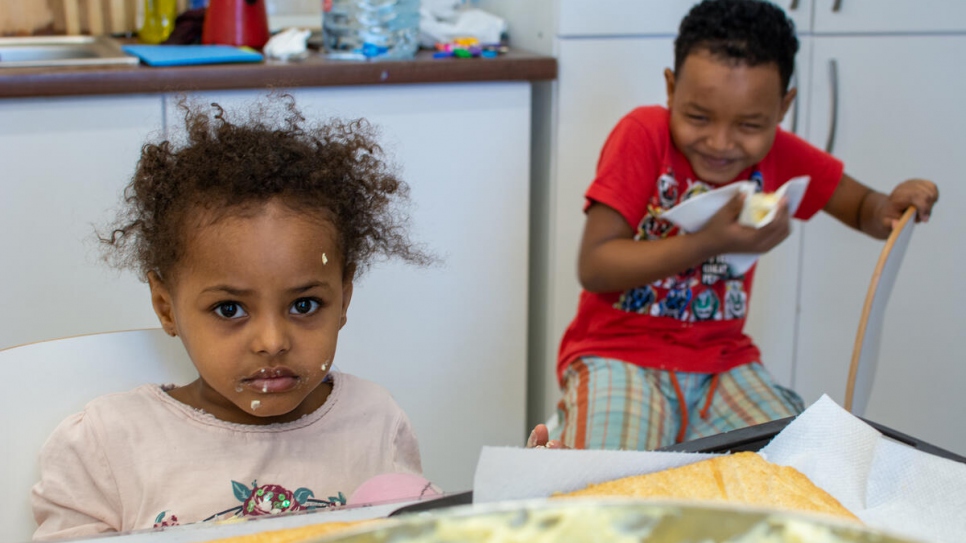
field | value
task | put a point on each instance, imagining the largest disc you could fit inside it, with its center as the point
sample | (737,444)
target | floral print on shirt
(258,500)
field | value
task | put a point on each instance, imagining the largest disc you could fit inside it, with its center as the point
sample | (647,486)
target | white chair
(865,354)
(50,380)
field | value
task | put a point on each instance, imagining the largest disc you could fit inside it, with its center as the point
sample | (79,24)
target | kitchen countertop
(315,71)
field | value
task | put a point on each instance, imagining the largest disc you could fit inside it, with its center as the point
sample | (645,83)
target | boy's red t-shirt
(692,321)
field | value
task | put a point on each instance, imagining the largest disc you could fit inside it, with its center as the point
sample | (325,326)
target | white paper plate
(691,215)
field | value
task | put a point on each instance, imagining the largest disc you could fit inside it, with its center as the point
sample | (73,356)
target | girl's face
(258,301)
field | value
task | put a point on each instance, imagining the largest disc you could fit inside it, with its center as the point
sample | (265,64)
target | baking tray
(751,438)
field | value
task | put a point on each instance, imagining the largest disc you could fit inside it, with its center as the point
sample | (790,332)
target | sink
(42,51)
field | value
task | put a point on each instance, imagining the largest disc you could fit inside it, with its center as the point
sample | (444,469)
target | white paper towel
(888,485)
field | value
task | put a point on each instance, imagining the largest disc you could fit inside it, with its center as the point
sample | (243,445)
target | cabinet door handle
(833,77)
(837,6)
(794,129)
(793,6)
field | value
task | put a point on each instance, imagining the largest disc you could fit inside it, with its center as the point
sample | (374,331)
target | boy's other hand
(540,439)
(727,235)
(920,193)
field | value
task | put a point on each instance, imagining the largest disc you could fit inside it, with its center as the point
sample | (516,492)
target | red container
(236,22)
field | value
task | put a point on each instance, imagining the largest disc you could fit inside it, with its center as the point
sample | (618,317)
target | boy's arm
(611,261)
(872,212)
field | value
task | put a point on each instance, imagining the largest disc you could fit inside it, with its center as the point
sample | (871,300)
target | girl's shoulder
(129,404)
(121,403)
(109,412)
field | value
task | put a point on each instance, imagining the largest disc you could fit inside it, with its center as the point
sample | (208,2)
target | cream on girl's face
(258,300)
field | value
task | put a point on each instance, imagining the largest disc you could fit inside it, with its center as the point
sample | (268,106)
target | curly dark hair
(333,170)
(753,32)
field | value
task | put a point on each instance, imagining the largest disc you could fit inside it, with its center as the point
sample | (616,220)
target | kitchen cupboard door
(643,17)
(837,16)
(65,162)
(896,119)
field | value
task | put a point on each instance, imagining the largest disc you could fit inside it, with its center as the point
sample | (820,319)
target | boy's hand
(540,439)
(920,193)
(726,235)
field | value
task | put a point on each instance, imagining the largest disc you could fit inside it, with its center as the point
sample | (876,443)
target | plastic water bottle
(370,29)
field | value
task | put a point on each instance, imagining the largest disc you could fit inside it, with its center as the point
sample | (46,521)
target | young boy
(656,353)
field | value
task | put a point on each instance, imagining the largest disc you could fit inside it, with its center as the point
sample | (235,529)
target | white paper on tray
(889,485)
(692,214)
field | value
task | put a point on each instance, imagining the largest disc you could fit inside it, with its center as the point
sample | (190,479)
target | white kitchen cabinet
(899,116)
(65,162)
(888,16)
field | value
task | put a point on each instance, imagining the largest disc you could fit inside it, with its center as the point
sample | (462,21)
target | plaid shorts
(610,404)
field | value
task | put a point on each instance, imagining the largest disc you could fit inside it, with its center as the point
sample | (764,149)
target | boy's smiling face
(258,299)
(724,113)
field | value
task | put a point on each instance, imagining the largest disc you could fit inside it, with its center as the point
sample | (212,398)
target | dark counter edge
(315,71)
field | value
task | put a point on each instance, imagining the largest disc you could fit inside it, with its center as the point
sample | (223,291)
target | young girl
(250,236)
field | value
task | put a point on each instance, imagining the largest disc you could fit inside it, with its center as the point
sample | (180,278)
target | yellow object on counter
(159,18)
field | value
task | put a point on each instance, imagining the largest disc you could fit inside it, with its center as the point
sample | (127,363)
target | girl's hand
(920,193)
(540,439)
(726,235)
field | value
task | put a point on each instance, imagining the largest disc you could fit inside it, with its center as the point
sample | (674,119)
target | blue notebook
(187,55)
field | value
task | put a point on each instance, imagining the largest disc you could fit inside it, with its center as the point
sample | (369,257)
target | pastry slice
(743,477)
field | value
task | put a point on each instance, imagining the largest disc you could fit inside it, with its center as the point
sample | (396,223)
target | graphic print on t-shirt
(259,500)
(707,292)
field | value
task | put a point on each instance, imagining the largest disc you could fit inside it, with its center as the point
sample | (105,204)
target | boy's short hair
(752,32)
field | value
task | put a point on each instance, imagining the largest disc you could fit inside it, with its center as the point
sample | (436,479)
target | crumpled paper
(889,485)
(290,44)
(442,21)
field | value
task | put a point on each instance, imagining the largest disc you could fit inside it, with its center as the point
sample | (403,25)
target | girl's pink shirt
(141,459)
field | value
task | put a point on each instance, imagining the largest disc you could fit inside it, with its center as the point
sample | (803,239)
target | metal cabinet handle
(793,6)
(794,84)
(833,77)
(837,6)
